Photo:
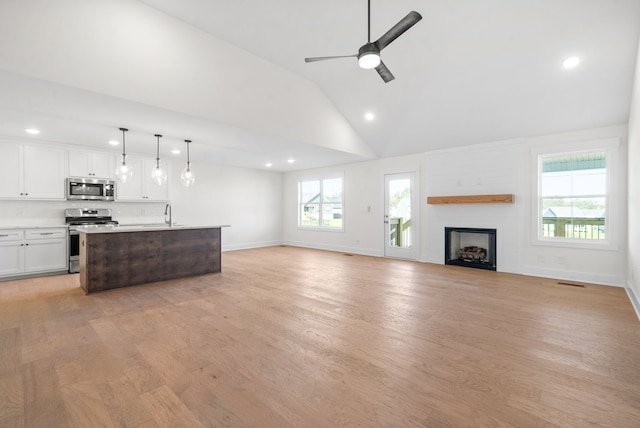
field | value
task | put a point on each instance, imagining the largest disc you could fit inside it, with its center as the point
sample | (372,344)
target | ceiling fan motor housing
(369,56)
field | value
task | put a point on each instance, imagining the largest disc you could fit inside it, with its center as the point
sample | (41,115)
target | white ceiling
(230,75)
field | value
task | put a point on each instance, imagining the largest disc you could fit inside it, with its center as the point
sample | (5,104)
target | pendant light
(187,177)
(124,172)
(158,175)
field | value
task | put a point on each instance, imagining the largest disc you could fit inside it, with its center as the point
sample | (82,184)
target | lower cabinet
(32,251)
(11,258)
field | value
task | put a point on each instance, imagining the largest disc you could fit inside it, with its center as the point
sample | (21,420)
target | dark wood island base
(121,259)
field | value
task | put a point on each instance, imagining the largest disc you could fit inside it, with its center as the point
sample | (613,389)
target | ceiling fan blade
(396,31)
(322,58)
(384,72)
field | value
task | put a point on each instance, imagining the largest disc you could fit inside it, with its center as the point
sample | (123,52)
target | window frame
(612,218)
(320,178)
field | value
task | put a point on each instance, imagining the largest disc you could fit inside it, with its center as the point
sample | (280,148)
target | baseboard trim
(249,245)
(593,278)
(634,300)
(33,275)
(339,248)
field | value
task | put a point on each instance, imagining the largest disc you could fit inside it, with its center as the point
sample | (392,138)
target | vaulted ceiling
(230,75)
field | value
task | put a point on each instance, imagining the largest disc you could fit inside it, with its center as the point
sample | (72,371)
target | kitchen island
(122,256)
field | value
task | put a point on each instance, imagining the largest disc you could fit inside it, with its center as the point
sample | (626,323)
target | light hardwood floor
(292,337)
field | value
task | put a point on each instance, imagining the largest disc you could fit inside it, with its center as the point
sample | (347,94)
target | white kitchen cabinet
(12,171)
(11,253)
(32,251)
(140,187)
(91,164)
(44,255)
(31,172)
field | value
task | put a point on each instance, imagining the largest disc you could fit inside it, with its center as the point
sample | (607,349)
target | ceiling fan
(369,54)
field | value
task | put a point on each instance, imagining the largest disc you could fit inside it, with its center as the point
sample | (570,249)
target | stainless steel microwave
(90,189)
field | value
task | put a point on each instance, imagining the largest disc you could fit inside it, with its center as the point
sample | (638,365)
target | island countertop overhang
(142,228)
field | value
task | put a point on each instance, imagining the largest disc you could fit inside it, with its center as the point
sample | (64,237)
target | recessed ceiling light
(114,142)
(268,164)
(369,116)
(32,131)
(175,151)
(291,160)
(571,62)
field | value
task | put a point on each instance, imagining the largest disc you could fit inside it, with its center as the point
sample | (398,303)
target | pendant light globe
(158,175)
(123,171)
(187,178)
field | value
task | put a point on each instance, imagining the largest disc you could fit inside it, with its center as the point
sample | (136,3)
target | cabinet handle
(46,233)
(4,236)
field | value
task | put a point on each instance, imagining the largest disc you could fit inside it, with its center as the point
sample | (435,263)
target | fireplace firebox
(470,247)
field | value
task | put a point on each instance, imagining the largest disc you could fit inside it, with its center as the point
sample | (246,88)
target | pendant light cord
(188,157)
(124,151)
(158,151)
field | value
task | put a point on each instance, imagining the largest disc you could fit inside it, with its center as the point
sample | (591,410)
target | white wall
(588,265)
(363,189)
(633,270)
(261,206)
(248,200)
(499,167)
(477,170)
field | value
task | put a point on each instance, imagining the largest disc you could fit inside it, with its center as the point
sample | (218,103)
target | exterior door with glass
(400,216)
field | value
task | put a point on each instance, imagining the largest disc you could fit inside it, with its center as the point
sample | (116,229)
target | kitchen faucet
(167,209)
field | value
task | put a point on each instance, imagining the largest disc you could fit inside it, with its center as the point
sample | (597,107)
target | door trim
(415,213)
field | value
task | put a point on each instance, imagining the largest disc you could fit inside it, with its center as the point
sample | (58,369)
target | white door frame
(411,253)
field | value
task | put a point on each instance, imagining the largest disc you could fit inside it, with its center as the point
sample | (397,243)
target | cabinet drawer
(46,233)
(11,234)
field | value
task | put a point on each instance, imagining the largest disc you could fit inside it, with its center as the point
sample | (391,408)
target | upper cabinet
(91,164)
(140,187)
(32,172)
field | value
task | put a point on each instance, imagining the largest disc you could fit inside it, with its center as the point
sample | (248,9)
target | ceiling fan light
(369,60)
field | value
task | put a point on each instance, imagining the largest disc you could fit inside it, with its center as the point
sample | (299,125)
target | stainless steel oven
(75,217)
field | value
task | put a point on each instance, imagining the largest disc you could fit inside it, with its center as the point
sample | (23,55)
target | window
(575,206)
(320,203)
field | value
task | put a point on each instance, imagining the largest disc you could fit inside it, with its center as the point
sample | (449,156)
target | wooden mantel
(471,199)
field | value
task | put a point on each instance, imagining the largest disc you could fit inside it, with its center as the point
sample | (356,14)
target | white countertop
(22,226)
(140,228)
